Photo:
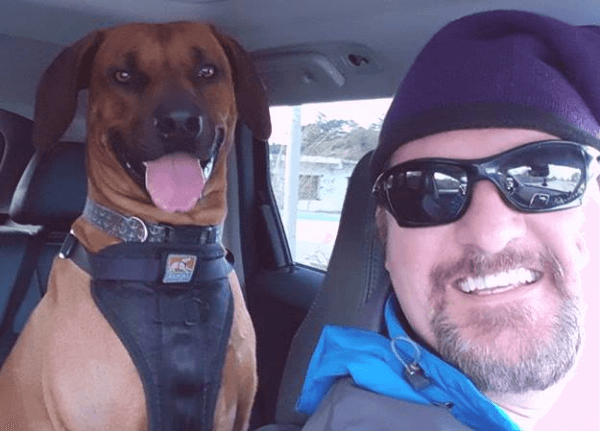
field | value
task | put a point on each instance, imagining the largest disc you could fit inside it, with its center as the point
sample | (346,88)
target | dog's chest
(173,331)
(89,379)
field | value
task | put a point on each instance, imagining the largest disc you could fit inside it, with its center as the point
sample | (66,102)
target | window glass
(313,151)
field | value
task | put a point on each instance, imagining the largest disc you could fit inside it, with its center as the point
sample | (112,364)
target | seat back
(15,151)
(17,247)
(48,198)
(353,292)
(53,188)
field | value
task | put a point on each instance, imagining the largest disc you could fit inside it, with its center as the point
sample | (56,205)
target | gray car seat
(353,293)
(15,151)
(48,198)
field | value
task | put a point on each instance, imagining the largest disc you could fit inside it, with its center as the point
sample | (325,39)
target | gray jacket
(349,408)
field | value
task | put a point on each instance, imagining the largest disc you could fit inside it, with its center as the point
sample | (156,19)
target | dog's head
(163,104)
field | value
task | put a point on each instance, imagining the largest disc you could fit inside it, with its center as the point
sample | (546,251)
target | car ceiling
(301,47)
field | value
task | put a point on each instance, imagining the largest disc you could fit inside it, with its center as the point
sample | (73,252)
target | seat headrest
(353,292)
(53,188)
(15,151)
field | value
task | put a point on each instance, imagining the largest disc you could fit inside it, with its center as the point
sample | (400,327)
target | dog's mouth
(175,181)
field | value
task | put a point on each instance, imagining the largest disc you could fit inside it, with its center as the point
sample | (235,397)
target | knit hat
(507,69)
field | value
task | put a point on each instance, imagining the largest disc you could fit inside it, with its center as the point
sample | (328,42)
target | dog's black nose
(177,125)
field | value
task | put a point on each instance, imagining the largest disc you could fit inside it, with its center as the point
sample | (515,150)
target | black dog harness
(171,305)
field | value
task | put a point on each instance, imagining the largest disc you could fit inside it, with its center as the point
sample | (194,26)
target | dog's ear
(56,95)
(250,94)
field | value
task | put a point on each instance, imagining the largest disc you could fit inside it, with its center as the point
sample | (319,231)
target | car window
(313,150)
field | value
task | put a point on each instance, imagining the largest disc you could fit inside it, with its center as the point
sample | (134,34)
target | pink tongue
(175,182)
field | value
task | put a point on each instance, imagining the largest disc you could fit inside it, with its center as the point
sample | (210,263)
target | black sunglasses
(536,177)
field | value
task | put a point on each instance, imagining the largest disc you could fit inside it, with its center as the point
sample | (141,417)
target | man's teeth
(512,278)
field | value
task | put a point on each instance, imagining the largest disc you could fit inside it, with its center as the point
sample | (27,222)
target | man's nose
(489,223)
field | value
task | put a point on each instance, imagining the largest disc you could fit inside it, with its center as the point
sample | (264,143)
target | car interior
(307,53)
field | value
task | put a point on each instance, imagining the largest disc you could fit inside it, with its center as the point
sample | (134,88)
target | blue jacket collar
(406,371)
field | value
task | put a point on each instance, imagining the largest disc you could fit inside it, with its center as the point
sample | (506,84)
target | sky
(363,112)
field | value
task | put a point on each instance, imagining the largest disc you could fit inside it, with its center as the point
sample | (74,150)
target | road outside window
(313,151)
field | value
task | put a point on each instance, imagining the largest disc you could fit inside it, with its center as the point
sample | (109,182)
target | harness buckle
(68,245)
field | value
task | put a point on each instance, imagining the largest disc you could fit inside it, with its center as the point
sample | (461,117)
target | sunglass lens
(428,195)
(543,178)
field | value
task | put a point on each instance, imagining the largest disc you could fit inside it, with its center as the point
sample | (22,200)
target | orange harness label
(179,268)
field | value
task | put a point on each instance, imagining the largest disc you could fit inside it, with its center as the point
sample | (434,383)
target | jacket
(361,377)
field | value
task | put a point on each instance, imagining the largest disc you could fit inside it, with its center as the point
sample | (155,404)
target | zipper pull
(413,373)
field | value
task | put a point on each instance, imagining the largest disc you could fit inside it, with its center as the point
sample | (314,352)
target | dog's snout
(179,124)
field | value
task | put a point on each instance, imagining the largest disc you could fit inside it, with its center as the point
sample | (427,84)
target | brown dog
(163,102)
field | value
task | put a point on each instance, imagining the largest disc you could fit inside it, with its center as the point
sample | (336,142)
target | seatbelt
(172,307)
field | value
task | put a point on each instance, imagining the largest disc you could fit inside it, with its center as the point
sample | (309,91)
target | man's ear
(381,225)
(56,95)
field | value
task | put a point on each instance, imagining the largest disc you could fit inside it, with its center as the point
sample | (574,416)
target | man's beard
(543,359)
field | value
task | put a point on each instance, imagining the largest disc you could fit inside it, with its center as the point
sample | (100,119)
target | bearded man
(486,180)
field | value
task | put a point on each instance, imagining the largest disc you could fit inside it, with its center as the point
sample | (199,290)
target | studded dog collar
(134,229)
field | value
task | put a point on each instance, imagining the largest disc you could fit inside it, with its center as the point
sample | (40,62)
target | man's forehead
(467,144)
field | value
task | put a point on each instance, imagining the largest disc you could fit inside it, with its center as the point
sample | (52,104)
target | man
(489,209)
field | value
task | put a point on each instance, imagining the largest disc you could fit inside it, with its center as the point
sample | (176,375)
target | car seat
(48,198)
(353,292)
(16,150)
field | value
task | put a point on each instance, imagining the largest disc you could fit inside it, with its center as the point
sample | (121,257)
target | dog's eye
(123,75)
(207,71)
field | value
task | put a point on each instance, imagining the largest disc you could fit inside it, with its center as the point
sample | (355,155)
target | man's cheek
(574,235)
(588,372)
(588,252)
(588,238)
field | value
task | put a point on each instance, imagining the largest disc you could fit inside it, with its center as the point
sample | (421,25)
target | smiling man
(486,180)
(496,291)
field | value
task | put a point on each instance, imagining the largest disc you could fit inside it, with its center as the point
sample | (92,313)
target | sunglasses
(536,177)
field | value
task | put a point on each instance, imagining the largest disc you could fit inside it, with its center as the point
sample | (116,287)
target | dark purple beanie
(507,69)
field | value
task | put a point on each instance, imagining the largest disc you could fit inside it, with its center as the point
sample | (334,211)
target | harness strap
(141,266)
(176,331)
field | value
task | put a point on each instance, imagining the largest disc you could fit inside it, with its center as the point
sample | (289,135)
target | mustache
(476,263)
